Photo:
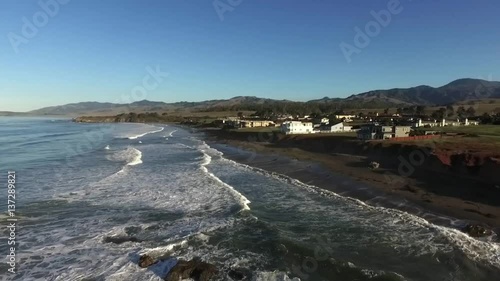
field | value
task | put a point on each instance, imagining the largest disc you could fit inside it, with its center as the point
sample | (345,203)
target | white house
(336,128)
(297,127)
(340,127)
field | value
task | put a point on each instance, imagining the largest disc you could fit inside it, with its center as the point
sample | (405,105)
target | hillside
(458,91)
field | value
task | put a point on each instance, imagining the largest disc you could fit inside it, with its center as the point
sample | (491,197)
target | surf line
(142,135)
(243,200)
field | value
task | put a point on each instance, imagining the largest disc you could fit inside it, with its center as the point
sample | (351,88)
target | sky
(54,52)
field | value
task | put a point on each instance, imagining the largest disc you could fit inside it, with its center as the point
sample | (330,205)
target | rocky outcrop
(145,261)
(239,274)
(476,230)
(120,239)
(95,119)
(195,269)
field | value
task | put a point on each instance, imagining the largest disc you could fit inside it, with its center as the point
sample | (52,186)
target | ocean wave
(163,250)
(131,156)
(137,158)
(474,249)
(172,133)
(205,161)
(141,135)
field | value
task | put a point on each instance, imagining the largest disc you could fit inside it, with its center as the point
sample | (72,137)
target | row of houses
(238,123)
(300,127)
(444,122)
(371,131)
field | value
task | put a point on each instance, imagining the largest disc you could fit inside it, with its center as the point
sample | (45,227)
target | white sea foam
(482,251)
(107,147)
(162,250)
(141,135)
(172,133)
(131,156)
(206,160)
(137,158)
(273,276)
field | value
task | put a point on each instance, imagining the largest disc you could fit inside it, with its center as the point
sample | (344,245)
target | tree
(450,111)
(461,112)
(386,111)
(486,119)
(420,110)
(471,112)
(332,119)
(314,115)
(439,114)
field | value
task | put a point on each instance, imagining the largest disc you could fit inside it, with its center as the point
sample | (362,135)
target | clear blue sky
(94,50)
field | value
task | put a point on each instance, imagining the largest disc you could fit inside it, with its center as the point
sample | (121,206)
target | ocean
(92,198)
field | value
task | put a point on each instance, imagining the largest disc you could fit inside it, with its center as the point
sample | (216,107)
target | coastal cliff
(479,165)
(462,181)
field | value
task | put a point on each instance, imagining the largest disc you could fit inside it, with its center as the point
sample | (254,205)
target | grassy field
(483,139)
(481,130)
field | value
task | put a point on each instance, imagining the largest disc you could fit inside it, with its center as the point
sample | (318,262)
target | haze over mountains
(457,91)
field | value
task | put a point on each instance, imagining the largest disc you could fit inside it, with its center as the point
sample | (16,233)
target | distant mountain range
(456,91)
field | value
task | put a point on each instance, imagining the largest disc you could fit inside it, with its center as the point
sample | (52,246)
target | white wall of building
(338,127)
(297,127)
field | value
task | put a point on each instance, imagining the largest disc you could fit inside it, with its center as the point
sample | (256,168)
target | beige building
(256,123)
(345,117)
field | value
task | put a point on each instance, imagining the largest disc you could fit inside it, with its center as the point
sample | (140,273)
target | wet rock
(195,269)
(237,274)
(120,239)
(282,249)
(476,230)
(145,261)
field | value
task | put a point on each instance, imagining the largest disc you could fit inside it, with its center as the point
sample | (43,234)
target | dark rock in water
(195,269)
(476,230)
(120,239)
(282,249)
(239,274)
(145,261)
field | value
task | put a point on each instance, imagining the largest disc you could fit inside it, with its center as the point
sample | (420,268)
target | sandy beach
(350,175)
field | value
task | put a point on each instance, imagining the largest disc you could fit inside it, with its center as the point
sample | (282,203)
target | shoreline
(349,176)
